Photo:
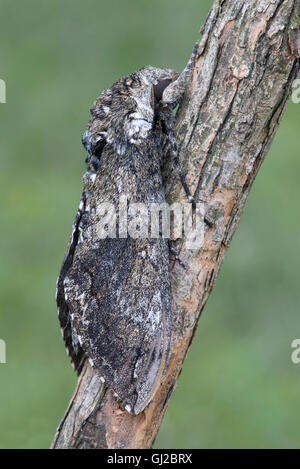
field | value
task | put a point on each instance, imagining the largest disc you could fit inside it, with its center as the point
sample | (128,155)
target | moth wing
(74,351)
(120,307)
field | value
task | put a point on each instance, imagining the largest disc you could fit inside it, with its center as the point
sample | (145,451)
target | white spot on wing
(92,177)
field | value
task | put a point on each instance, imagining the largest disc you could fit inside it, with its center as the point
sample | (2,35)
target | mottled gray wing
(119,306)
(75,352)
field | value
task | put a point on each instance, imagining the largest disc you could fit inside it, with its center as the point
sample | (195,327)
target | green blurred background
(238,387)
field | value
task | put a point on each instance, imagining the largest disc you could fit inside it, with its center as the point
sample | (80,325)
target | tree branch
(248,59)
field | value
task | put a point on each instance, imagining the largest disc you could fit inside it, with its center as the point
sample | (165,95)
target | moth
(113,292)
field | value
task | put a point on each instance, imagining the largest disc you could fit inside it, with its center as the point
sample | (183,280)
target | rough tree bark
(248,59)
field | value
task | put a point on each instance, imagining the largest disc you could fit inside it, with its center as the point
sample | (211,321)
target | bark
(248,59)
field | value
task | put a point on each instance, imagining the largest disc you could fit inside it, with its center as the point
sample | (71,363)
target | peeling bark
(247,62)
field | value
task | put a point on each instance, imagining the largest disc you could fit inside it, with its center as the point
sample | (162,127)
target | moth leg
(171,96)
(175,254)
(92,162)
(171,149)
(183,182)
(175,91)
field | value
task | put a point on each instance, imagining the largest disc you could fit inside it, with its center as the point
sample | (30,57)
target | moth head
(145,89)
(153,81)
(125,114)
